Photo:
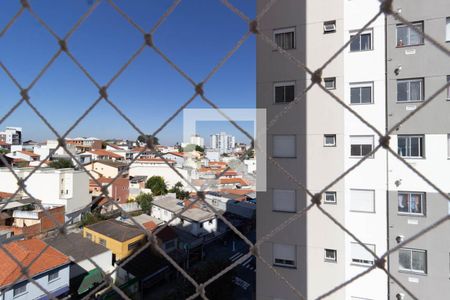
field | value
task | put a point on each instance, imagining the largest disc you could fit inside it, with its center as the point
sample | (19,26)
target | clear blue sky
(196,37)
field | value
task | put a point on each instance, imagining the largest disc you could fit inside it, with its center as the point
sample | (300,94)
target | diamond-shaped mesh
(198,90)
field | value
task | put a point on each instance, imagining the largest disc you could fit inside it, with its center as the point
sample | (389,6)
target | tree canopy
(157,185)
(178,190)
(61,164)
(145,202)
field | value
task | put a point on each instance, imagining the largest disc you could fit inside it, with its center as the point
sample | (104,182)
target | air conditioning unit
(400,296)
(329,26)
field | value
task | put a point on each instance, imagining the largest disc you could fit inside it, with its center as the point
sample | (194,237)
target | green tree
(4,151)
(90,218)
(145,202)
(199,149)
(143,139)
(61,164)
(178,190)
(157,185)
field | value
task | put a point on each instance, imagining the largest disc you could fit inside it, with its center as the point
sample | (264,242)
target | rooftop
(25,252)
(114,164)
(116,230)
(78,248)
(175,205)
(102,152)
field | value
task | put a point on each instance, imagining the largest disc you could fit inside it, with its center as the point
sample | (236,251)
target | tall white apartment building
(197,140)
(66,187)
(222,142)
(12,135)
(384,74)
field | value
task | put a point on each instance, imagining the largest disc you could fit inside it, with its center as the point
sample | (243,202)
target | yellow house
(121,238)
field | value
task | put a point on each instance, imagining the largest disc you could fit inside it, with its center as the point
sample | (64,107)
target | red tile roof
(233,181)
(155,160)
(4,195)
(237,191)
(150,225)
(26,252)
(102,152)
(179,154)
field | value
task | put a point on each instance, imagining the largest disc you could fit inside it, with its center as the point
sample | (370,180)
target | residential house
(25,156)
(107,168)
(53,187)
(83,253)
(101,154)
(177,157)
(35,222)
(122,239)
(124,151)
(197,221)
(118,189)
(46,266)
(85,144)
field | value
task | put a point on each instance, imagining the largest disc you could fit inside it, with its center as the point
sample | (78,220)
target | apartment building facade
(317,140)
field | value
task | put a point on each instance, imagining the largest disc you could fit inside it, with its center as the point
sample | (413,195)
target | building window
(53,276)
(284,92)
(102,242)
(361,145)
(410,145)
(411,203)
(284,200)
(410,90)
(284,255)
(330,197)
(285,38)
(20,289)
(284,146)
(360,255)
(329,26)
(407,36)
(134,245)
(88,235)
(362,201)
(413,260)
(329,140)
(330,83)
(363,42)
(447,30)
(330,255)
(361,93)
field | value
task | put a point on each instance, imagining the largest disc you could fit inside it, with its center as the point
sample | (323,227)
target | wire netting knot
(384,141)
(199,89)
(105,190)
(201,289)
(63,45)
(61,142)
(148,39)
(253,27)
(103,92)
(25,3)
(254,250)
(316,77)
(24,94)
(386,7)
(317,199)
(21,184)
(380,263)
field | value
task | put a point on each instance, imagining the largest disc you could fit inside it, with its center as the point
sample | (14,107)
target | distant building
(195,140)
(53,187)
(85,144)
(122,239)
(107,168)
(12,135)
(45,265)
(222,142)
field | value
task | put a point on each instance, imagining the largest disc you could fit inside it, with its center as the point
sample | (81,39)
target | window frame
(353,33)
(361,145)
(330,193)
(448,88)
(401,25)
(52,273)
(330,22)
(284,211)
(17,287)
(295,146)
(283,84)
(100,242)
(329,79)
(372,211)
(325,136)
(360,85)
(284,30)
(409,80)
(408,138)
(423,203)
(360,262)
(447,29)
(411,270)
(281,264)
(330,259)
